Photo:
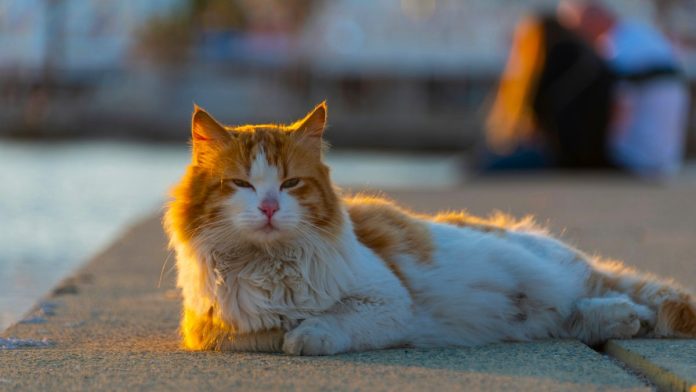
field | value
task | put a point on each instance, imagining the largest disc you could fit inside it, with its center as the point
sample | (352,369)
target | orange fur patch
(390,231)
(680,316)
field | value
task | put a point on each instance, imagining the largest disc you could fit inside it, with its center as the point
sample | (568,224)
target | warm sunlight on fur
(270,257)
(203,332)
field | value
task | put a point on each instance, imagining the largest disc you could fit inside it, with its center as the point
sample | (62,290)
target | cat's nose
(269,207)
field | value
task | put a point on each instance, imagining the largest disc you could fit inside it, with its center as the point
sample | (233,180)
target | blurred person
(650,97)
(552,108)
(614,100)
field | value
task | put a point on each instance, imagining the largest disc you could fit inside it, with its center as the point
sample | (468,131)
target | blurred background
(96,98)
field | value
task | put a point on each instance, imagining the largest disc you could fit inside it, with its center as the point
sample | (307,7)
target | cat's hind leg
(598,319)
(675,307)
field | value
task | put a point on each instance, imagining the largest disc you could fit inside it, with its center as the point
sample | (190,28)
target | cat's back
(457,245)
(404,239)
(393,232)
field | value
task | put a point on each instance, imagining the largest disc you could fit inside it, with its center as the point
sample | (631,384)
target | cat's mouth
(269,232)
(268,228)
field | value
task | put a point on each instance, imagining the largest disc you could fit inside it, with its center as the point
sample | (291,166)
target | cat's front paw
(315,337)
(627,319)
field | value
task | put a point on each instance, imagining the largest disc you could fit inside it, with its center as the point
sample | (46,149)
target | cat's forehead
(266,146)
(254,138)
(269,142)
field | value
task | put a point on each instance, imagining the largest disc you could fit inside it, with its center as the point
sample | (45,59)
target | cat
(271,258)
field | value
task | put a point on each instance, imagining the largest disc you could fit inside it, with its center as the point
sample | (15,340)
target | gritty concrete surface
(669,364)
(112,325)
(532,367)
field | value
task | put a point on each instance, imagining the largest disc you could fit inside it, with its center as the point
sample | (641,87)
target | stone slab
(669,364)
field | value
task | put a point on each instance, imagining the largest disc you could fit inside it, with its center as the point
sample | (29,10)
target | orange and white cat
(271,258)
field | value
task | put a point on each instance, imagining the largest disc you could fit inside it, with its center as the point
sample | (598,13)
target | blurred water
(61,203)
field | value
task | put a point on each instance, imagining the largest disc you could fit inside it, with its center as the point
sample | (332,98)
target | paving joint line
(662,378)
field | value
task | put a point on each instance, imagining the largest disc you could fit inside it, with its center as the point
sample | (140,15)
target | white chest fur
(258,289)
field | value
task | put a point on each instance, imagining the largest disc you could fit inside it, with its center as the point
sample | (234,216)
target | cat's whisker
(328,233)
(208,225)
(164,265)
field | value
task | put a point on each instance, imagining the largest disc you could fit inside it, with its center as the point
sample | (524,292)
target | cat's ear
(204,128)
(313,124)
(206,133)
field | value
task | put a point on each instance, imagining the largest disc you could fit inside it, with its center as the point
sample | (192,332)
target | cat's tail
(674,307)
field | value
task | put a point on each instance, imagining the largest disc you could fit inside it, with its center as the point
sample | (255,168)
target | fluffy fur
(270,258)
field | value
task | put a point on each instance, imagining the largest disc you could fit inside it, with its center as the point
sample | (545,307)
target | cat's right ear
(206,133)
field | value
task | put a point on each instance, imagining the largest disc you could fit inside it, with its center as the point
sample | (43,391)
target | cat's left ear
(314,123)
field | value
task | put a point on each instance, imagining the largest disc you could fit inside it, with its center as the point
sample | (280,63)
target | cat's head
(257,183)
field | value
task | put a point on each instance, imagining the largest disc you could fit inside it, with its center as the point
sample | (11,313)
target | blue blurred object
(525,157)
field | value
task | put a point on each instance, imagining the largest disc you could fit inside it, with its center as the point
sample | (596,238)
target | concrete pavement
(111,327)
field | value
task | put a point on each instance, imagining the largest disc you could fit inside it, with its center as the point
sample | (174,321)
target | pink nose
(269,207)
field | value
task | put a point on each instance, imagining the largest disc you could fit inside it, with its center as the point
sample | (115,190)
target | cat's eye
(291,183)
(242,183)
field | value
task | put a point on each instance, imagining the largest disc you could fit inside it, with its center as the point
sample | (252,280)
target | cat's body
(270,258)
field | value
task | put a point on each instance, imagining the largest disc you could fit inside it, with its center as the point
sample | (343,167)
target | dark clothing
(572,102)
